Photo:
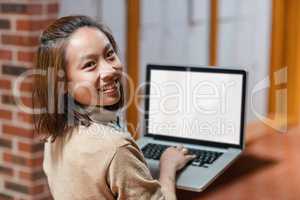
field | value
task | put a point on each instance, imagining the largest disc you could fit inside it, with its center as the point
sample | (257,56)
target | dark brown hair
(58,108)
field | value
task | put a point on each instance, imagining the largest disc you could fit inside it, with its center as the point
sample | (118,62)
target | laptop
(202,108)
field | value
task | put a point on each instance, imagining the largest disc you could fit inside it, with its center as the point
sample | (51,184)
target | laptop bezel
(195,69)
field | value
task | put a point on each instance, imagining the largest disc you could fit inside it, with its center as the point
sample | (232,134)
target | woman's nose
(110,72)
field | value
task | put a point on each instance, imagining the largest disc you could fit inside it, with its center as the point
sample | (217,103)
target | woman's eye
(89,64)
(110,54)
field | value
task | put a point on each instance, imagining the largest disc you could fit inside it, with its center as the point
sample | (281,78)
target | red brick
(35,162)
(4,24)
(25,175)
(26,87)
(52,8)
(17,8)
(5,84)
(21,160)
(5,54)
(34,9)
(17,131)
(5,114)
(46,198)
(26,171)
(26,56)
(31,25)
(16,187)
(23,188)
(24,147)
(6,171)
(37,189)
(5,143)
(5,196)
(15,159)
(18,101)
(25,117)
(14,70)
(27,101)
(31,176)
(31,148)
(20,40)
(8,99)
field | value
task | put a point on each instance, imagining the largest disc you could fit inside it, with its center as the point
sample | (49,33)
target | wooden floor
(269,169)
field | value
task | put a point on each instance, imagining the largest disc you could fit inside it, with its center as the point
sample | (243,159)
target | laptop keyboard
(203,158)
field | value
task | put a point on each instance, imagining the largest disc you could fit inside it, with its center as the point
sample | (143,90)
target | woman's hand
(172,160)
(175,158)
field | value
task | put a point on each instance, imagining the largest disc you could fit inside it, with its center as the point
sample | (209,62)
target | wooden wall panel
(132,57)
(285,50)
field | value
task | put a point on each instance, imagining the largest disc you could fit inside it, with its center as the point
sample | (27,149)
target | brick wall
(21,155)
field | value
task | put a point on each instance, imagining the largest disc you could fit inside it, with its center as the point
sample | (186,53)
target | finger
(179,146)
(173,147)
(184,151)
(190,157)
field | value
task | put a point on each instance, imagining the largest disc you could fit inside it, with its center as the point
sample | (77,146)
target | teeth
(111,86)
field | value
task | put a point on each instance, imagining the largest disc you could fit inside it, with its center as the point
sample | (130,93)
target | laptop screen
(201,105)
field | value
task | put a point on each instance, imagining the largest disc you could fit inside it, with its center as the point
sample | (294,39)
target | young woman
(78,93)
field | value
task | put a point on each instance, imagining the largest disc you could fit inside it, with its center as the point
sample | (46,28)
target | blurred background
(261,36)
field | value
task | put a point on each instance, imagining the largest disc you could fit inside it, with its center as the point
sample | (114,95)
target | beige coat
(98,162)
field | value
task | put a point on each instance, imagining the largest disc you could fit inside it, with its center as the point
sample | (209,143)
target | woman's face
(93,68)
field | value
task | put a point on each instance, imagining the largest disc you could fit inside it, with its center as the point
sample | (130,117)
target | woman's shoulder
(98,137)
(94,143)
(86,150)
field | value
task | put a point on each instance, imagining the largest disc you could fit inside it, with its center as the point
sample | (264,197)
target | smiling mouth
(110,88)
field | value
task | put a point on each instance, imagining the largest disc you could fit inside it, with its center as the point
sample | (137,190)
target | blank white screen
(196,105)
